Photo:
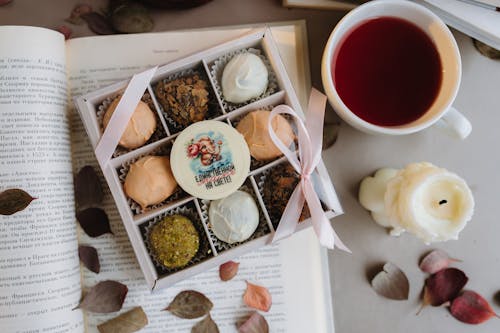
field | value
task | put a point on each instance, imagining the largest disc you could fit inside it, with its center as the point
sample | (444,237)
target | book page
(295,278)
(40,273)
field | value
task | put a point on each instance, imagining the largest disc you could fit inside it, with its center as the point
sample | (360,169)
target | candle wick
(442,202)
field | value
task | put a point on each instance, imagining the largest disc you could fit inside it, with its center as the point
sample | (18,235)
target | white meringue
(244,77)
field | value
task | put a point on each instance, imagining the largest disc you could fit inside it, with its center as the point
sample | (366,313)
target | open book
(42,143)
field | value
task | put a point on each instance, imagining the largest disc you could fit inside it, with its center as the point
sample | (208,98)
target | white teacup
(441,109)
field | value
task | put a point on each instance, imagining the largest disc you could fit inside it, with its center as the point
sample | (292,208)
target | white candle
(429,202)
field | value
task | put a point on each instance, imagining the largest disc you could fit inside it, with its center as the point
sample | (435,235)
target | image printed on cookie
(176,239)
(186,98)
(144,127)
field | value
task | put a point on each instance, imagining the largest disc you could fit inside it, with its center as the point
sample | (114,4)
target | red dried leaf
(257,297)
(104,297)
(4,2)
(88,189)
(471,308)
(436,261)
(98,23)
(77,12)
(228,270)
(443,286)
(65,30)
(256,323)
(88,256)
(14,200)
(207,325)
(94,221)
(391,282)
(190,304)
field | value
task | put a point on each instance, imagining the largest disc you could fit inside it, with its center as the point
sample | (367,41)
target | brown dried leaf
(128,322)
(486,50)
(330,134)
(256,323)
(98,23)
(471,308)
(89,258)
(443,286)
(88,189)
(207,325)
(391,282)
(257,297)
(436,261)
(77,12)
(189,304)
(105,297)
(14,200)
(94,221)
(228,270)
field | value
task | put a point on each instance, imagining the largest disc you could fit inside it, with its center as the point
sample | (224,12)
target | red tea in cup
(387,71)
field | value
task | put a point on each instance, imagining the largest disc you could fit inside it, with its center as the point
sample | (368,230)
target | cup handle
(455,122)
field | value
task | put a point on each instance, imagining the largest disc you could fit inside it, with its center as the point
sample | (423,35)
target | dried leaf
(207,325)
(471,308)
(486,50)
(5,2)
(94,221)
(65,30)
(189,304)
(256,323)
(128,322)
(443,286)
(391,282)
(77,12)
(14,200)
(257,297)
(330,134)
(105,297)
(131,17)
(98,23)
(436,261)
(88,189)
(89,258)
(228,270)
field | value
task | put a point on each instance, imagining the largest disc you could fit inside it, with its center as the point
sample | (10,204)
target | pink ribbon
(310,140)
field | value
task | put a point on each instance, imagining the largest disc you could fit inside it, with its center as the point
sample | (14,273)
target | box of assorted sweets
(193,170)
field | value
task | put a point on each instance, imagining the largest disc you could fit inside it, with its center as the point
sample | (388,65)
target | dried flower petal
(94,221)
(189,304)
(14,200)
(330,134)
(128,322)
(88,189)
(131,17)
(436,261)
(391,282)
(98,23)
(77,12)
(207,325)
(65,30)
(471,308)
(256,323)
(105,297)
(443,286)
(228,270)
(88,256)
(486,50)
(257,297)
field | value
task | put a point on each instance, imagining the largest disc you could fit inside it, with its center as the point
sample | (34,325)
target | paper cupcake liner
(122,174)
(262,228)
(204,249)
(218,67)
(213,106)
(256,164)
(158,134)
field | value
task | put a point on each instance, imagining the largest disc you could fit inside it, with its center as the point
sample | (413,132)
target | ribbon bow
(310,140)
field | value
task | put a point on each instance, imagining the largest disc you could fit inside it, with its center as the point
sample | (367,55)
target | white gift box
(212,252)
